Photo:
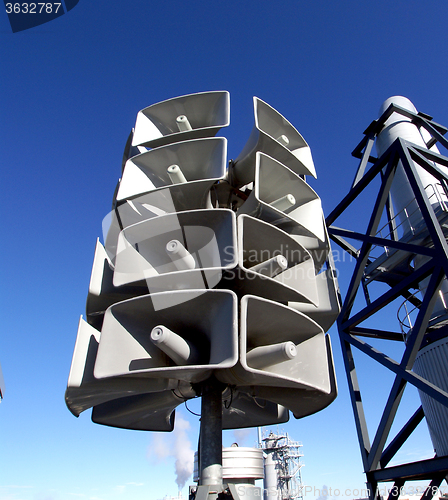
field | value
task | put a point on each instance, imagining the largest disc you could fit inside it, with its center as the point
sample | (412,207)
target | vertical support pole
(210,445)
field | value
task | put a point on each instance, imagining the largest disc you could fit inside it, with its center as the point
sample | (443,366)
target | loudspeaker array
(209,270)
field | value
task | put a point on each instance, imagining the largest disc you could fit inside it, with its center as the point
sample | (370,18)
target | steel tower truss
(395,268)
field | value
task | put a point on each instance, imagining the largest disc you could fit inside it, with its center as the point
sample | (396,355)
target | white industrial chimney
(431,362)
(398,126)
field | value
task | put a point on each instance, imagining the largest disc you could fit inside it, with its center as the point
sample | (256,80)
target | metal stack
(214,280)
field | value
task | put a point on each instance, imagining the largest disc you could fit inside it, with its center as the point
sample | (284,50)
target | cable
(231,399)
(259,405)
(180,397)
(192,412)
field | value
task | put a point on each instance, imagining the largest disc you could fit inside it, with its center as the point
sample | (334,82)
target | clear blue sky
(70,92)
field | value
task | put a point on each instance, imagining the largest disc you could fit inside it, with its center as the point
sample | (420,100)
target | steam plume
(175,445)
(241,436)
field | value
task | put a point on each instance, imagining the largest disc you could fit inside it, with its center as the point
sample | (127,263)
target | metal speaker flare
(301,402)
(181,335)
(202,161)
(145,412)
(241,410)
(102,292)
(130,150)
(186,250)
(279,347)
(281,198)
(84,390)
(155,411)
(182,118)
(161,201)
(272,264)
(273,135)
(328,306)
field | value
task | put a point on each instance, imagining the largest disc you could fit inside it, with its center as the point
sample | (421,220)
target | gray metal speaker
(272,264)
(202,161)
(102,293)
(182,335)
(162,201)
(130,150)
(182,118)
(286,201)
(273,135)
(127,214)
(155,411)
(282,198)
(145,412)
(301,402)
(318,249)
(168,179)
(279,347)
(147,188)
(179,251)
(241,409)
(328,305)
(84,390)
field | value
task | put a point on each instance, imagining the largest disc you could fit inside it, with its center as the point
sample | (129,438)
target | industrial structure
(401,265)
(283,467)
(215,280)
(276,461)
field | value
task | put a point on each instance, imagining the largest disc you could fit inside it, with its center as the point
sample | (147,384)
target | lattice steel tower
(405,259)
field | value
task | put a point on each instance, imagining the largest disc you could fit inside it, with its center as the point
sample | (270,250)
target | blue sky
(71,90)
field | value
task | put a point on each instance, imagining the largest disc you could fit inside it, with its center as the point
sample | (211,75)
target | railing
(407,312)
(437,198)
(406,315)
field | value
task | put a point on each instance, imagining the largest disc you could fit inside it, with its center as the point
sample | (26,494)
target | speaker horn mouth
(193,160)
(272,264)
(275,136)
(297,360)
(182,335)
(147,252)
(201,115)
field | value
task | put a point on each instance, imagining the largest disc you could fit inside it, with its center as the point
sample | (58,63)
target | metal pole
(210,445)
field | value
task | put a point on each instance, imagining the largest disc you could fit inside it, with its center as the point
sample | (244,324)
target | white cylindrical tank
(432,364)
(403,196)
(240,465)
